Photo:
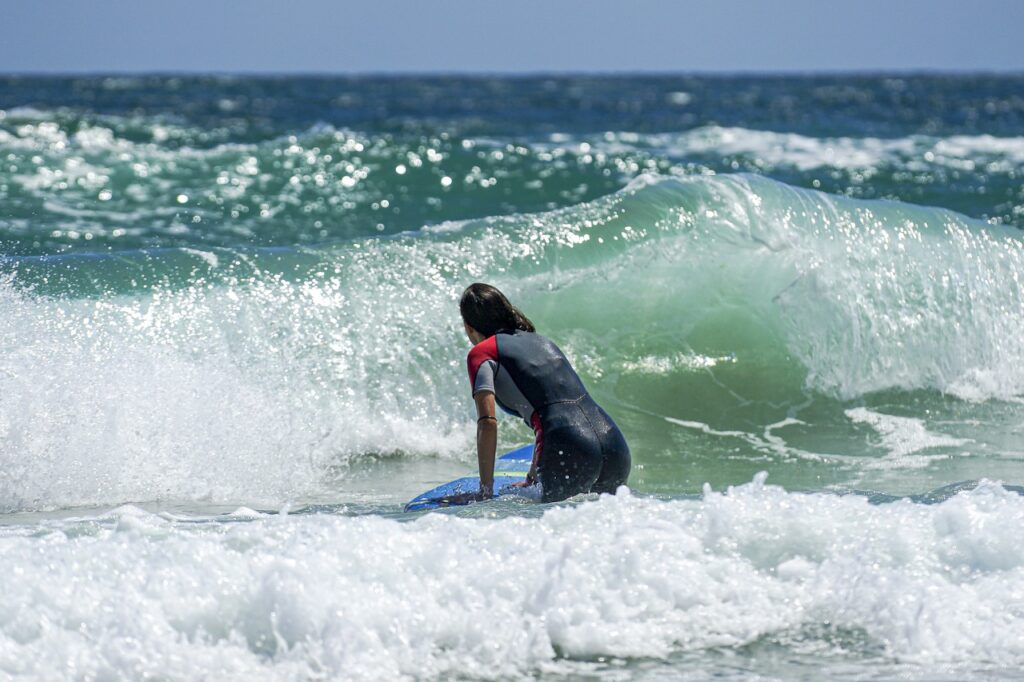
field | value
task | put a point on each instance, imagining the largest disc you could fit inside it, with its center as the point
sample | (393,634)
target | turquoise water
(231,352)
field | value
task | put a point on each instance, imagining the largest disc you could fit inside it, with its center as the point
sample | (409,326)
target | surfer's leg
(568,470)
(616,464)
(616,461)
(570,461)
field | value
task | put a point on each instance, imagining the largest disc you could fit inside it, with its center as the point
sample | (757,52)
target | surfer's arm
(486,440)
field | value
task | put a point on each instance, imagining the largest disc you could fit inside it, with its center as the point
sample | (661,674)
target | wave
(256,375)
(87,181)
(805,153)
(901,586)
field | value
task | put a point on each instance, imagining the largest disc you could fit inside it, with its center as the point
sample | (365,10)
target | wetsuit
(579,448)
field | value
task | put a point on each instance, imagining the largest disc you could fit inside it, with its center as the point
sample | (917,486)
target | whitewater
(230,351)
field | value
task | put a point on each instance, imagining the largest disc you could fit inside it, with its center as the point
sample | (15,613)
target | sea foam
(292,597)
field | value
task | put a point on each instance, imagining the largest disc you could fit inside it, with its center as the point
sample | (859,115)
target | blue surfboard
(510,468)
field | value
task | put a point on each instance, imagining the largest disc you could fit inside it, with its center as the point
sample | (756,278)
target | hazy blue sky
(510,36)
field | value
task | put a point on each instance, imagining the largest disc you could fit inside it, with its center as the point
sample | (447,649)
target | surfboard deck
(510,468)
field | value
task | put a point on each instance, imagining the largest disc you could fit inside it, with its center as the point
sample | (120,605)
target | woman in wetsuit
(578,447)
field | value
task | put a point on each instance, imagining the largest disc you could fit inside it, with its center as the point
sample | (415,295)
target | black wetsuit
(579,448)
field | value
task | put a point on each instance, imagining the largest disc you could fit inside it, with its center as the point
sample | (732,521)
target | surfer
(578,448)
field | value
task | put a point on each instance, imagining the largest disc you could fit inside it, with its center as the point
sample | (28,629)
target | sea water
(230,351)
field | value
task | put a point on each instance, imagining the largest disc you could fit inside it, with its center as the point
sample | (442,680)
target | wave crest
(255,375)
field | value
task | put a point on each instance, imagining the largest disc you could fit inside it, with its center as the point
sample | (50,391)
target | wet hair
(486,310)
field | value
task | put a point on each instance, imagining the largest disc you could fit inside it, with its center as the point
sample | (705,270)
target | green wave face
(730,324)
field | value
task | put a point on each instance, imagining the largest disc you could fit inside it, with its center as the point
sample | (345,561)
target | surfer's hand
(531,478)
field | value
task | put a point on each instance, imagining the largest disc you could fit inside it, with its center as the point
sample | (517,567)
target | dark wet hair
(486,310)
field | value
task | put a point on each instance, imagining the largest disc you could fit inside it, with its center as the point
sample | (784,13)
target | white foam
(806,153)
(208,257)
(768,442)
(970,146)
(660,365)
(370,598)
(903,436)
(252,394)
(803,152)
(679,99)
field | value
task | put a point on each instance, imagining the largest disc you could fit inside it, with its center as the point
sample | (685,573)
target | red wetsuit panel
(480,353)
(538,445)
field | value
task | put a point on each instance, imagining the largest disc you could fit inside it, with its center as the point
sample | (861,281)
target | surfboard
(510,468)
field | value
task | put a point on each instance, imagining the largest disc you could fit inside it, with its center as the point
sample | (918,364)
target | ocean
(230,351)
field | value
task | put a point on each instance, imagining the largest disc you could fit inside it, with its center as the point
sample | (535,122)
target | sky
(510,36)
